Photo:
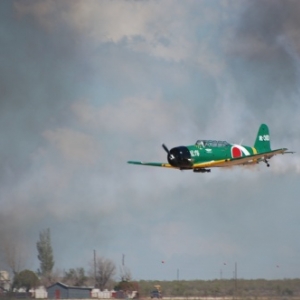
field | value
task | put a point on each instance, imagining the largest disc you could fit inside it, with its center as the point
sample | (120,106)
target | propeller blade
(166,149)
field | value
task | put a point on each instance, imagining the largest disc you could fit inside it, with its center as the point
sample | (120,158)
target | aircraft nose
(180,157)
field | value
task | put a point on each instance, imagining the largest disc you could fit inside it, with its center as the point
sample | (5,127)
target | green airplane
(206,154)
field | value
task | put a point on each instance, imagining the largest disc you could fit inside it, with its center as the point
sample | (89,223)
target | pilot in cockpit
(201,144)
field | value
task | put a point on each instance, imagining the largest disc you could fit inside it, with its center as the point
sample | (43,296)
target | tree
(45,254)
(26,279)
(125,274)
(105,270)
(12,250)
(12,255)
(75,277)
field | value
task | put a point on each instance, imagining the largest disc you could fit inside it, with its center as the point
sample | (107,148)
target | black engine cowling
(180,157)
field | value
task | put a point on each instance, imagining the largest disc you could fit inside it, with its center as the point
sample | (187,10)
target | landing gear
(267,163)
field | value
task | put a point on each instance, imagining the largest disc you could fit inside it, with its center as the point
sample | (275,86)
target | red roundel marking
(236,152)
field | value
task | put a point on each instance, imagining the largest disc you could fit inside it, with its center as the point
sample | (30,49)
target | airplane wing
(153,164)
(250,159)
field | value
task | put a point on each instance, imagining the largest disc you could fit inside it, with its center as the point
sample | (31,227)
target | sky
(86,86)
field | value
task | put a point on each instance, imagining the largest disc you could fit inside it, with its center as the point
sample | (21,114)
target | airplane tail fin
(262,142)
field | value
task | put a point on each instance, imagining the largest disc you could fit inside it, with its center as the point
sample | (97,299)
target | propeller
(171,157)
(166,149)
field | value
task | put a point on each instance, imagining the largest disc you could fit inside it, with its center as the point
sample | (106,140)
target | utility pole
(123,268)
(235,278)
(95,268)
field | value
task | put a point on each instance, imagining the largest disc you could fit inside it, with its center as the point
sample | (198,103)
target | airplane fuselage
(184,157)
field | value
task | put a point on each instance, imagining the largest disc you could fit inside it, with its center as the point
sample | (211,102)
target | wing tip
(133,162)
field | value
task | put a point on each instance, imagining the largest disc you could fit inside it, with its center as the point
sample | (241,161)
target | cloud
(261,26)
(135,116)
(149,27)
(142,26)
(77,146)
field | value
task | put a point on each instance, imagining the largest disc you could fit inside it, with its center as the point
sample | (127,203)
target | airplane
(206,154)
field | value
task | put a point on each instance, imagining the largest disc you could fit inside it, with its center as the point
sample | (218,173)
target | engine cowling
(180,157)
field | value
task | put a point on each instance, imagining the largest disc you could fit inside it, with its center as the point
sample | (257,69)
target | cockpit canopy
(211,143)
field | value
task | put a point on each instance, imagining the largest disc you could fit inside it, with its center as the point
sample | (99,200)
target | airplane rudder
(262,142)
